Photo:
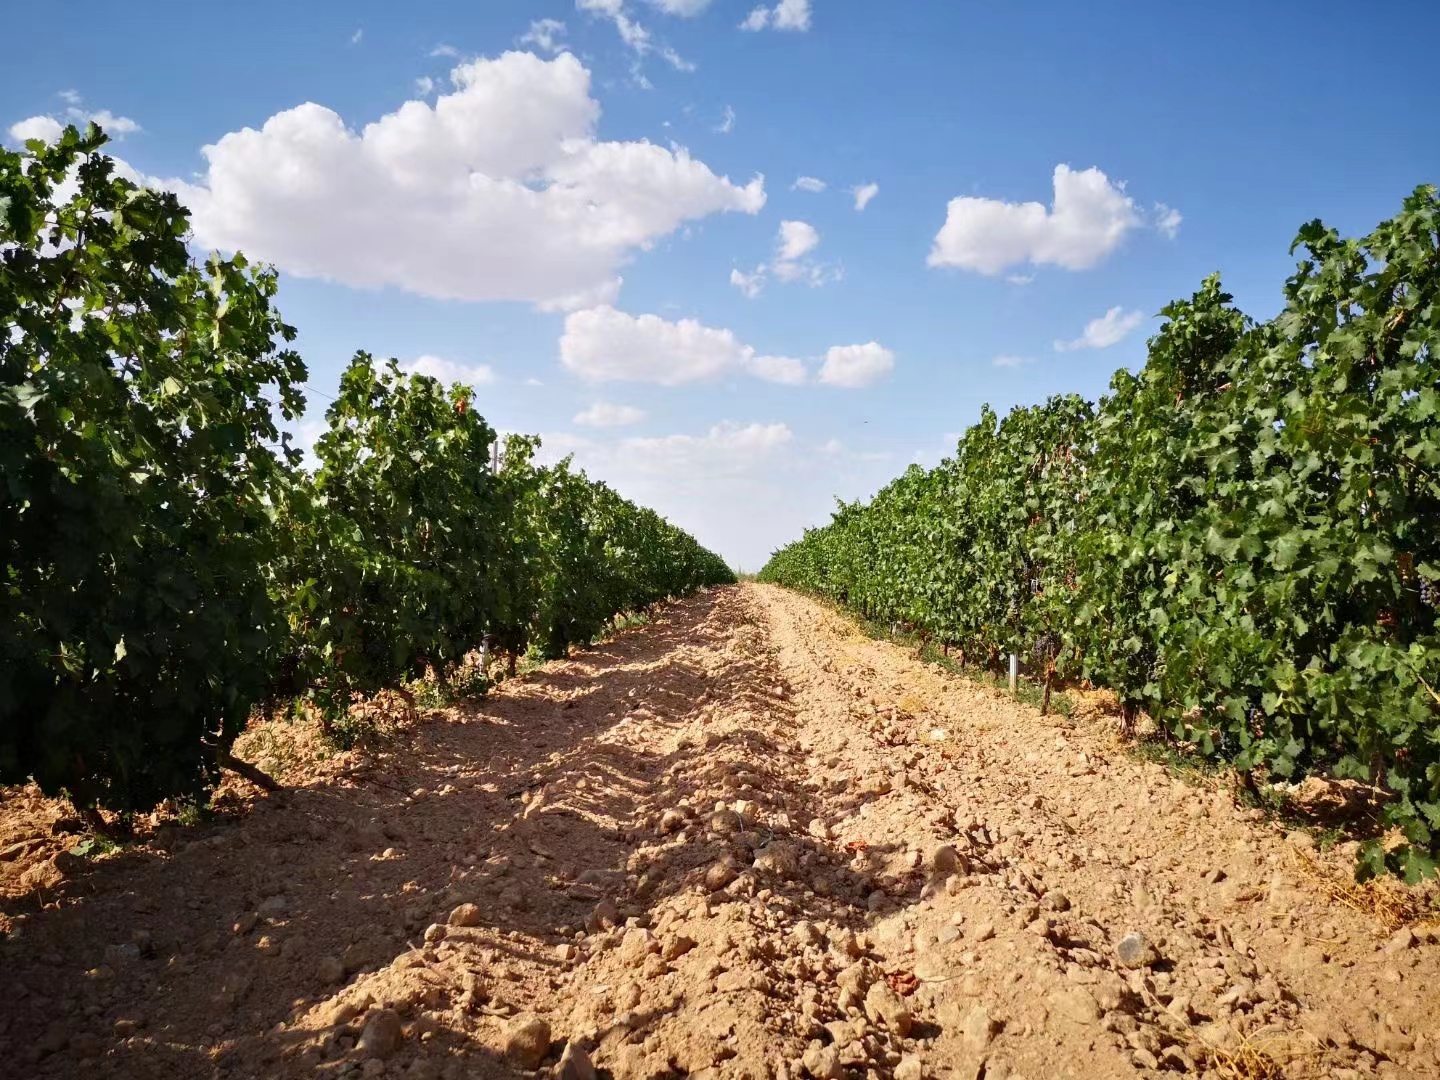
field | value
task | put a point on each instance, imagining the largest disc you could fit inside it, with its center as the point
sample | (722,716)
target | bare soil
(742,841)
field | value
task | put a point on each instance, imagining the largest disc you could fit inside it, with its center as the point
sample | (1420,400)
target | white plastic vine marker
(1014,672)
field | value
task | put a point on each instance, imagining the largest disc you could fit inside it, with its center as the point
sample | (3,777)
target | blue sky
(562,227)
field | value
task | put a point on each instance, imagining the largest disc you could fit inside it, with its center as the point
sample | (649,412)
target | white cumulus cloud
(864,193)
(853,366)
(808,183)
(1105,331)
(1087,219)
(449,371)
(797,239)
(607,414)
(786,15)
(45,128)
(499,190)
(605,345)
(49,128)
(602,344)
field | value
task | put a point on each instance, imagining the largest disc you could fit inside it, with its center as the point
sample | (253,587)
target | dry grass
(1385,900)
(1247,1061)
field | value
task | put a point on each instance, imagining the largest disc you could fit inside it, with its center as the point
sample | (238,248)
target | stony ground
(742,841)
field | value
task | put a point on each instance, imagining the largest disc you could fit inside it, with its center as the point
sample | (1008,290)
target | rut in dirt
(741,841)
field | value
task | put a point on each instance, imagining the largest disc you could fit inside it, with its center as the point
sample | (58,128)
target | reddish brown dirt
(824,858)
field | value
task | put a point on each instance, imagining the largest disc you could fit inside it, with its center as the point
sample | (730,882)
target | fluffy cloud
(786,15)
(863,194)
(1105,331)
(1088,218)
(808,183)
(605,345)
(45,128)
(49,128)
(796,240)
(498,191)
(606,414)
(448,371)
(854,366)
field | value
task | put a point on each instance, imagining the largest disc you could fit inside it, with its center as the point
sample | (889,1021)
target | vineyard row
(1242,539)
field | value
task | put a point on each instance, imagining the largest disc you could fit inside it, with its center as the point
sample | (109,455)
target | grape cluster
(1429,593)
(1045,646)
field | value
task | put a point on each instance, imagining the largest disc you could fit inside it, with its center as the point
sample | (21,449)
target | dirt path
(742,841)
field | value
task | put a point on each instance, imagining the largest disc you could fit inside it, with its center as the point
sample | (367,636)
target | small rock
(846,943)
(634,947)
(356,956)
(245,923)
(1179,1007)
(822,1062)
(910,1068)
(671,821)
(1055,901)
(725,822)
(1076,1004)
(330,969)
(527,1041)
(565,952)
(807,933)
(979,1027)
(719,875)
(434,933)
(1133,950)
(884,1006)
(268,945)
(677,947)
(381,1036)
(983,932)
(574,1064)
(603,917)
(945,859)
(465,915)
(1403,939)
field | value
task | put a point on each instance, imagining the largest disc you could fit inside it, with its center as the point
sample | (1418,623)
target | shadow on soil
(529,804)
